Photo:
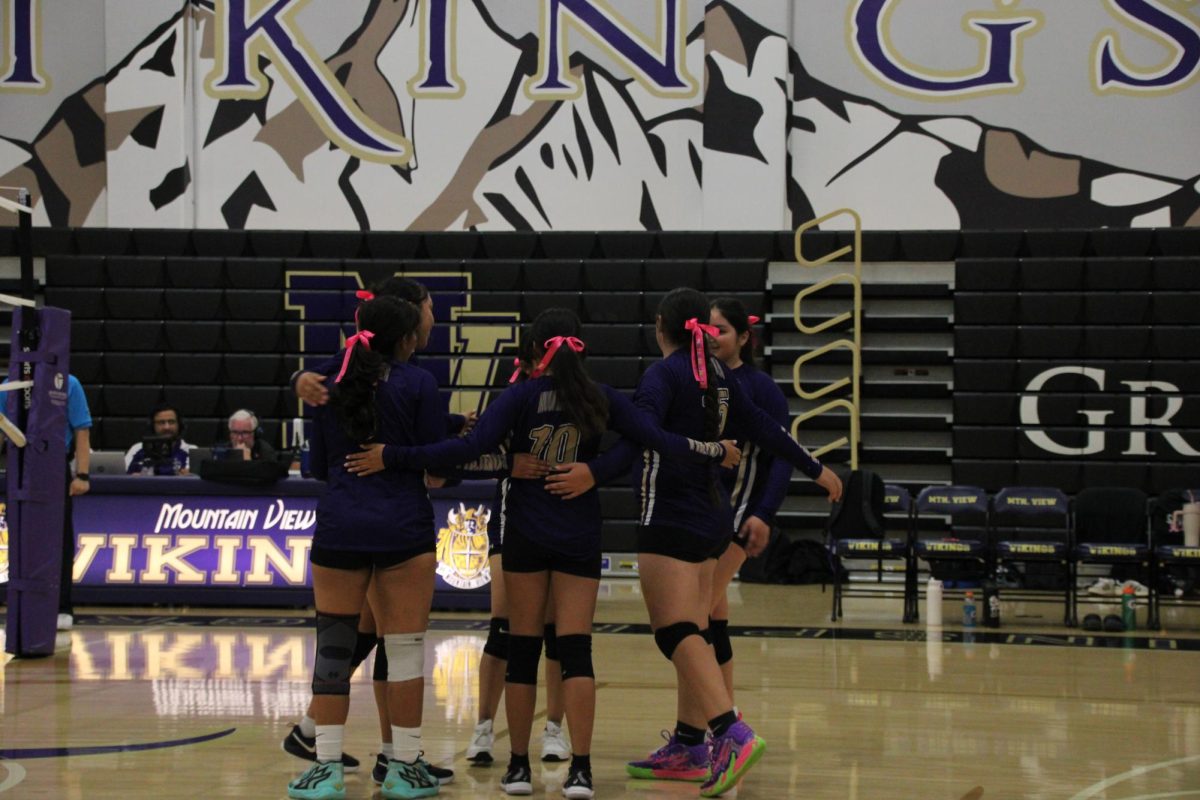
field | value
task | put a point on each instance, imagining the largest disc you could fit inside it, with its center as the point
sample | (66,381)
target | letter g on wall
(1000,34)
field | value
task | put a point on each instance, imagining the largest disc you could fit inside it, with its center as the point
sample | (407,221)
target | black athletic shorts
(366,559)
(521,554)
(724,545)
(678,543)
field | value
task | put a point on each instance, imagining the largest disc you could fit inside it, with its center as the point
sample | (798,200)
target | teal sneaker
(320,782)
(405,781)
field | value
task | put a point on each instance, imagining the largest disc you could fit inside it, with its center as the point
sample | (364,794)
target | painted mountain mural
(138,147)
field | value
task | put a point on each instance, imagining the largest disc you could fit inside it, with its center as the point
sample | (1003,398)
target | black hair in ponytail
(734,312)
(580,399)
(676,309)
(353,398)
(679,306)
(403,288)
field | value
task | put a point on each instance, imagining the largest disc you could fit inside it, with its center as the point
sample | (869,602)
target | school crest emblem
(462,548)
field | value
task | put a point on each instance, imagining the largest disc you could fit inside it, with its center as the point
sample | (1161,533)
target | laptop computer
(107,462)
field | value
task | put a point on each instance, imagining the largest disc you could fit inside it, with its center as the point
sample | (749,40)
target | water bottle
(991,605)
(933,602)
(305,470)
(1129,608)
(969,610)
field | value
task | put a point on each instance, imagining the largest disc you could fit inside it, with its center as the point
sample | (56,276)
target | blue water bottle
(969,610)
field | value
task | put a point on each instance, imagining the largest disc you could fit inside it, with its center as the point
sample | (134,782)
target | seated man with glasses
(165,425)
(244,442)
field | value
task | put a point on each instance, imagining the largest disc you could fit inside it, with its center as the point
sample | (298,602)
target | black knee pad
(524,653)
(720,640)
(362,649)
(668,637)
(336,636)
(496,645)
(575,654)
(380,671)
(551,636)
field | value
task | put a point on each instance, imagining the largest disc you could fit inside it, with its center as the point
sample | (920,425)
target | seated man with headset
(245,442)
(170,456)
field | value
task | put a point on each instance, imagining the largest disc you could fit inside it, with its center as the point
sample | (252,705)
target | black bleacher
(201,316)
(1122,329)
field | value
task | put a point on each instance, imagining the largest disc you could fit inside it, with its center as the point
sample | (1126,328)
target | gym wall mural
(601,114)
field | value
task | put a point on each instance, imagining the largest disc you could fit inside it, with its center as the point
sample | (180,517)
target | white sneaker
(1105,587)
(1138,589)
(555,746)
(65,622)
(482,741)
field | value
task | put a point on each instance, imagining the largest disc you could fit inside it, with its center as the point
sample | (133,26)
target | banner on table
(236,542)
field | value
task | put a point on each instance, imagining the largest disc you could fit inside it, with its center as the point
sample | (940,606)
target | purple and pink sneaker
(673,762)
(732,757)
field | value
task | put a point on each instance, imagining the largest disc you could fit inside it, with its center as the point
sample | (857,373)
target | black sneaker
(301,746)
(379,773)
(442,774)
(517,780)
(578,785)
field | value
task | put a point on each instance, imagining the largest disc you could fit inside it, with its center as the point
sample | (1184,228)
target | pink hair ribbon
(552,344)
(362,337)
(700,348)
(364,295)
(753,320)
(516,370)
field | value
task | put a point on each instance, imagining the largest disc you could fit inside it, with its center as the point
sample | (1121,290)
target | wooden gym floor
(141,703)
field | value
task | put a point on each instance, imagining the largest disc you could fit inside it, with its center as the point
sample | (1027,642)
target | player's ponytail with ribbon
(683,316)
(382,324)
(559,351)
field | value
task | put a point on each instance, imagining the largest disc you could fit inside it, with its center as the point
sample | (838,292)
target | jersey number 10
(557,445)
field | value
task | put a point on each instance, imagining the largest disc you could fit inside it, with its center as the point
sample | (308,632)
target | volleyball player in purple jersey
(309,386)
(758,484)
(756,489)
(560,414)
(378,533)
(685,520)
(494,658)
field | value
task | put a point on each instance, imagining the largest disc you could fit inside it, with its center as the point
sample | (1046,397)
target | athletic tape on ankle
(405,655)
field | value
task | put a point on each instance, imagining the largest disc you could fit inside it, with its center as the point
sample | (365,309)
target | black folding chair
(1176,566)
(1028,526)
(858,529)
(1110,528)
(955,545)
